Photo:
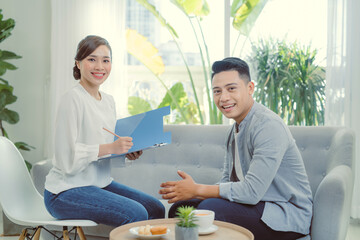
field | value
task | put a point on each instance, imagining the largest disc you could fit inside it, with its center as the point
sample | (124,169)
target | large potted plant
(6,98)
(186,228)
(289,81)
(6,90)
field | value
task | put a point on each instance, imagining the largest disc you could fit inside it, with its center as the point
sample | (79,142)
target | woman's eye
(91,59)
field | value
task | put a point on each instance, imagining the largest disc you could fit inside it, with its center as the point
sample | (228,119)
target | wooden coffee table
(226,230)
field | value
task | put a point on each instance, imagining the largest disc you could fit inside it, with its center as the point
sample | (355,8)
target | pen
(111,132)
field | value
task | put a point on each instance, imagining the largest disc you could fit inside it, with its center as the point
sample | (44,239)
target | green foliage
(186,217)
(6,90)
(289,81)
(244,14)
(138,105)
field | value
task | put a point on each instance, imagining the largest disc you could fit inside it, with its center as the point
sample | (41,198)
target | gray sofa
(328,153)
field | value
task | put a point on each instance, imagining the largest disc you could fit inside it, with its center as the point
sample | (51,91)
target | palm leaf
(156,13)
(137,105)
(245,13)
(138,46)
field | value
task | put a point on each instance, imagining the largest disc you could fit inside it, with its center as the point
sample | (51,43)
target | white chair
(22,203)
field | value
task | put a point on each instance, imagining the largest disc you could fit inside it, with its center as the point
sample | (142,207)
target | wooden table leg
(80,232)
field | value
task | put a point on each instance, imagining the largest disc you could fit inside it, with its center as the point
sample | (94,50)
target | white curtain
(71,21)
(343,77)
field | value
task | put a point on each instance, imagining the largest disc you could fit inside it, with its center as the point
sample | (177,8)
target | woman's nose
(99,66)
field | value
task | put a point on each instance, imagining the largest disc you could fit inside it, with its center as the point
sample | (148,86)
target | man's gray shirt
(273,171)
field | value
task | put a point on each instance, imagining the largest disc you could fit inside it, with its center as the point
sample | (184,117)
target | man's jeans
(114,205)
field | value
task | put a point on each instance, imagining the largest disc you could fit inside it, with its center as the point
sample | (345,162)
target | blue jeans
(114,205)
(248,216)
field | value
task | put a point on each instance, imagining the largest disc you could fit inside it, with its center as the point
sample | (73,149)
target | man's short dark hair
(232,64)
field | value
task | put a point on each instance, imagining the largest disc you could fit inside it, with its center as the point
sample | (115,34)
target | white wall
(31,40)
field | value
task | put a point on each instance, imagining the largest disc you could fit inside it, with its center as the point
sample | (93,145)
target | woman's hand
(134,155)
(122,145)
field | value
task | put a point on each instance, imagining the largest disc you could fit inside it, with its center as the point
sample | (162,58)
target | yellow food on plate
(158,230)
(144,230)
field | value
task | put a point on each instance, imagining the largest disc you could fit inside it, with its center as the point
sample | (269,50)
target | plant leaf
(193,7)
(9,116)
(245,13)
(6,55)
(6,66)
(23,146)
(137,105)
(138,46)
(6,98)
(5,86)
(180,95)
(156,13)
(5,27)
(4,81)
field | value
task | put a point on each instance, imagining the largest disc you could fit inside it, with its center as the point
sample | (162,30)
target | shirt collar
(250,114)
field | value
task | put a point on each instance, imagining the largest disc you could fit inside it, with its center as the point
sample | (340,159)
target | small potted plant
(185,228)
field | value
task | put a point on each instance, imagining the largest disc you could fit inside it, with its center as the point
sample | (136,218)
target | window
(303,21)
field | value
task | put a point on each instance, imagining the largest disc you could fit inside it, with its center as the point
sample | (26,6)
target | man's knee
(213,204)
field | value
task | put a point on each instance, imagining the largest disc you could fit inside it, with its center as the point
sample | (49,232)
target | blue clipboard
(146,130)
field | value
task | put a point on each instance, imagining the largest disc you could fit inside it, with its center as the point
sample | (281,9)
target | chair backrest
(18,195)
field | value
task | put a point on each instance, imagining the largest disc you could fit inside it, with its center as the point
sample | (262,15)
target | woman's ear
(77,64)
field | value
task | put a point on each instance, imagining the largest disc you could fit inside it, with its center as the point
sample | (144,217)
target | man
(264,186)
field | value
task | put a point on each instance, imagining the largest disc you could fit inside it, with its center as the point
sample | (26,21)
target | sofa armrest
(332,205)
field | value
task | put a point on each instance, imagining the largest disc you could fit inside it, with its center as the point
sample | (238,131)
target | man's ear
(251,87)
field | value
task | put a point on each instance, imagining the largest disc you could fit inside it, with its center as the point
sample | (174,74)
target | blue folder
(146,130)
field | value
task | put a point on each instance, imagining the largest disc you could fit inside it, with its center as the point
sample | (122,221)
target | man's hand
(134,155)
(184,189)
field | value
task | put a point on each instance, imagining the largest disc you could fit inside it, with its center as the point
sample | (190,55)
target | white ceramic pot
(184,233)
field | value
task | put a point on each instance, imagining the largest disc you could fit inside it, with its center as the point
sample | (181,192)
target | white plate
(209,230)
(135,231)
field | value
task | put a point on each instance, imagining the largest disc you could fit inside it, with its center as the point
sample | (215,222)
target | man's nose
(224,96)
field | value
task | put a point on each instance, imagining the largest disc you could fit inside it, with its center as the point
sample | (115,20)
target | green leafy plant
(244,13)
(138,105)
(138,46)
(289,81)
(186,217)
(6,90)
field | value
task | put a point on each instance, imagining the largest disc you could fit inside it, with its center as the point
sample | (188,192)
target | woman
(79,185)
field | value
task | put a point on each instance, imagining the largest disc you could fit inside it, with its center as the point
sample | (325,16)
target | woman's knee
(138,214)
